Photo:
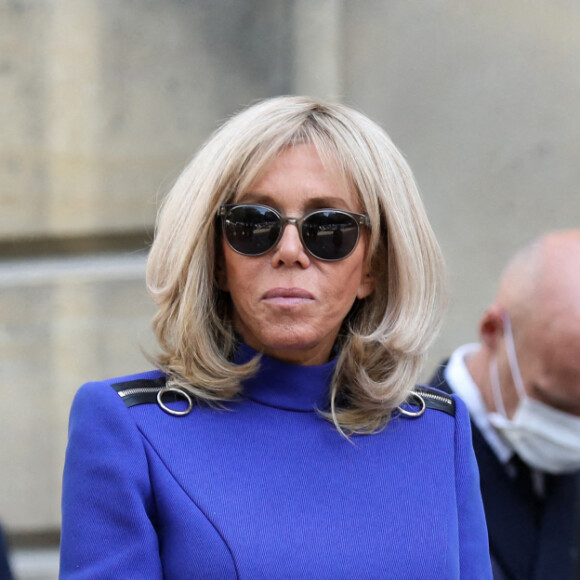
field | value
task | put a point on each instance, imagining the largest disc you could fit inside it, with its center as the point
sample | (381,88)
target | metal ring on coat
(418,413)
(169,410)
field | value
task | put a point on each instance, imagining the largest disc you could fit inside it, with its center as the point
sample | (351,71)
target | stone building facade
(102,102)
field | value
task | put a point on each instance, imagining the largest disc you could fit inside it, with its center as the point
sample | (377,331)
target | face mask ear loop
(495,388)
(512,357)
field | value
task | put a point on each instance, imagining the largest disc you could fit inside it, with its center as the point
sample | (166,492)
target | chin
(299,348)
(291,339)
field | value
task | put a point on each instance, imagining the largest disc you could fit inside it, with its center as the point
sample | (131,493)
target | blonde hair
(384,338)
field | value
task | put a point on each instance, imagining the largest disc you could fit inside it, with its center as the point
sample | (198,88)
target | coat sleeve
(473,540)
(108,510)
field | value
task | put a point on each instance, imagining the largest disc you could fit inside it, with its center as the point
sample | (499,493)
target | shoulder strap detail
(139,391)
(436,400)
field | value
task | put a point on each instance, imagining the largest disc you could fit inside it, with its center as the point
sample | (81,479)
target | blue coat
(266,488)
(529,539)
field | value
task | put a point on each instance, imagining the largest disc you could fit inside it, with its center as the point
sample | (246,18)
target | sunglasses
(326,234)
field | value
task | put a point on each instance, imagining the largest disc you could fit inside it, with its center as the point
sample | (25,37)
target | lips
(288,296)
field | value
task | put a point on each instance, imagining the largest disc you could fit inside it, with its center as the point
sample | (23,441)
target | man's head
(540,293)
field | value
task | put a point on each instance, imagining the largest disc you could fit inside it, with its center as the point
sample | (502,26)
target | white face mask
(545,438)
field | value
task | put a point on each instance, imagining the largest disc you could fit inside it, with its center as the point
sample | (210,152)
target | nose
(289,249)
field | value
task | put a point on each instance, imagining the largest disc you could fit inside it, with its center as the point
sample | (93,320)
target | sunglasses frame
(359,219)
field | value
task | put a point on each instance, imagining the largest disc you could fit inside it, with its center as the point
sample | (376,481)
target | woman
(298,286)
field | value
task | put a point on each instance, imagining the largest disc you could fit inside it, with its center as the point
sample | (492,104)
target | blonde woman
(298,285)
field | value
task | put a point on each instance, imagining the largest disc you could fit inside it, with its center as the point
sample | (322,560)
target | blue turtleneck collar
(284,385)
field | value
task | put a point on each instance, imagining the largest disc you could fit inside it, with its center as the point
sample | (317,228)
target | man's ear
(491,327)
(366,286)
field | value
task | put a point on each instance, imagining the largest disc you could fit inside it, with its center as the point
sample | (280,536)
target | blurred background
(103,102)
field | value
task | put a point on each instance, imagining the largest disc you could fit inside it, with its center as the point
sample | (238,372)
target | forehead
(300,173)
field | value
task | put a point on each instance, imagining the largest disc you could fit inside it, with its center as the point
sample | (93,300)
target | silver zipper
(136,390)
(439,398)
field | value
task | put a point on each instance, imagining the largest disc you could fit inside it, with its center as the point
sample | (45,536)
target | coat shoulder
(433,399)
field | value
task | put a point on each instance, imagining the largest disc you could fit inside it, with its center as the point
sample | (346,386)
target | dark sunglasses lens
(330,235)
(251,230)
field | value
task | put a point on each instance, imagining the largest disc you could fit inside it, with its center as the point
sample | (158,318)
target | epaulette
(433,399)
(139,391)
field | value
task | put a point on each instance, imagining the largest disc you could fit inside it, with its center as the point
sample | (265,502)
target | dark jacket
(530,538)
(5,573)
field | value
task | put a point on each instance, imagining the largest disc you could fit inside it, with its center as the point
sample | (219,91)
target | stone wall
(104,101)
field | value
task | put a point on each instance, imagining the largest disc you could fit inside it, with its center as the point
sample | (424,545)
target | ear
(491,327)
(366,286)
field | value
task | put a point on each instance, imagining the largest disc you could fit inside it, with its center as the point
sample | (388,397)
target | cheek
(240,275)
(343,288)
(232,268)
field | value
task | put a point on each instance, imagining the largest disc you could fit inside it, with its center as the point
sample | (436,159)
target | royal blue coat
(266,488)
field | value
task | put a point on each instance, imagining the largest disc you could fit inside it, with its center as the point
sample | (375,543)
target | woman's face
(286,303)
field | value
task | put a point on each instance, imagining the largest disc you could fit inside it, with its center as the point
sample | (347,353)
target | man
(521,384)
(5,573)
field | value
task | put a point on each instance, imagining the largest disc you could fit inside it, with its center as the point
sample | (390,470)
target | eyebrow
(314,202)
